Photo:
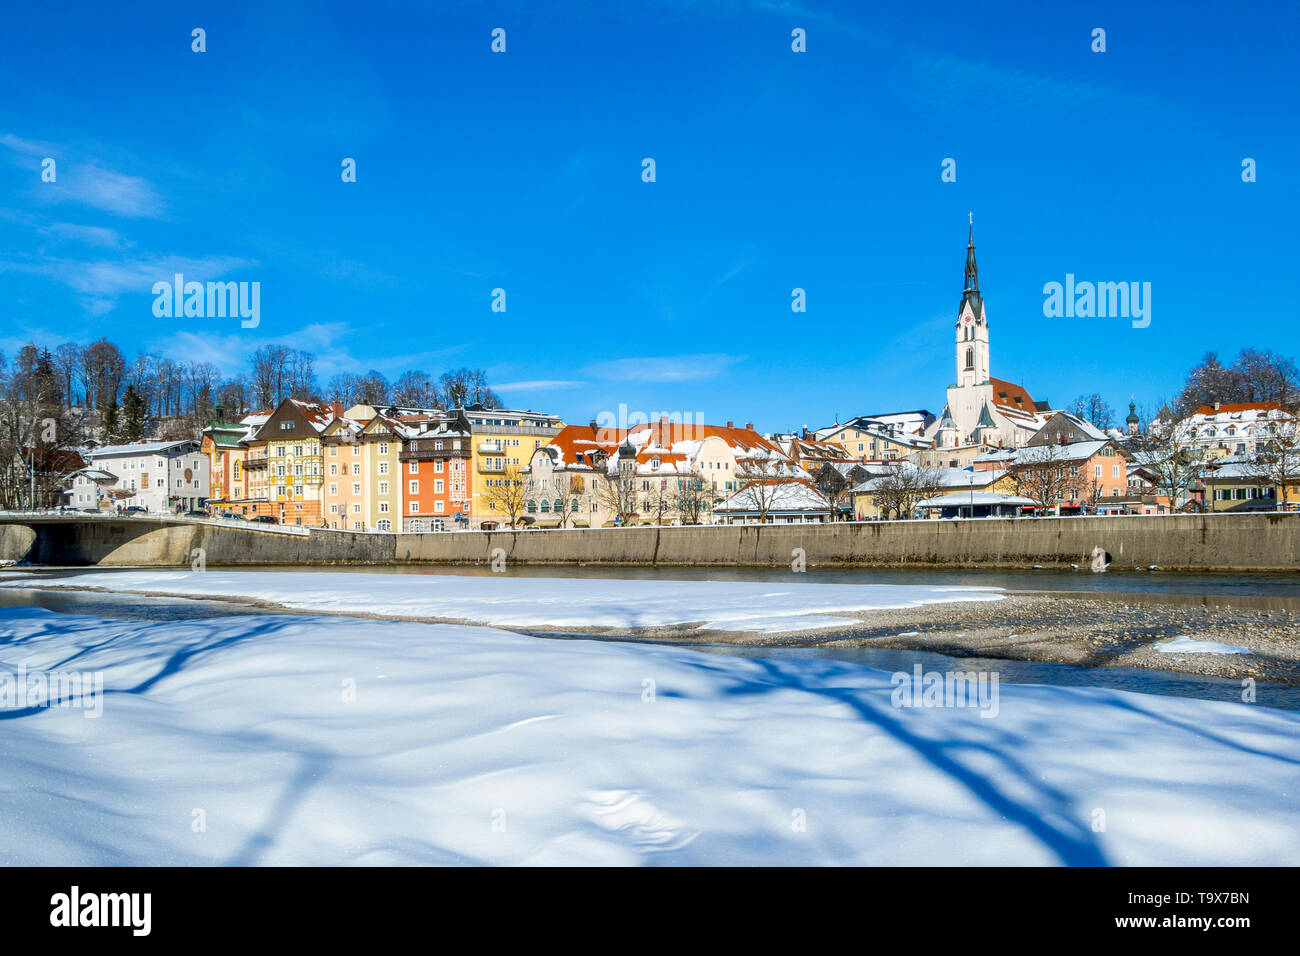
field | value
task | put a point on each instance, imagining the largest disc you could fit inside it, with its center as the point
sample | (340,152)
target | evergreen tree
(133,415)
(110,423)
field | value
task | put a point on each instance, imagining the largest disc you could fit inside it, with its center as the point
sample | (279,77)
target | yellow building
(501,438)
(864,443)
(950,480)
(1239,486)
(283,467)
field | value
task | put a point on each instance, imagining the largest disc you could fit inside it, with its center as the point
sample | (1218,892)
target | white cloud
(538,385)
(675,368)
(85,180)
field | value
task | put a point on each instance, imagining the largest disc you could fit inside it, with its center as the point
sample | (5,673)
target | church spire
(971,292)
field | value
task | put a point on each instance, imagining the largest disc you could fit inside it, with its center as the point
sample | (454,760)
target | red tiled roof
(1011,395)
(1239,407)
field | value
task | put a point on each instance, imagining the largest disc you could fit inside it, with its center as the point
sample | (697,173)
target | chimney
(731,424)
(1216,406)
(749,426)
(338,409)
(592,423)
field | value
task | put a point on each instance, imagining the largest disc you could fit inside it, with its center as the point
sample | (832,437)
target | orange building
(435,474)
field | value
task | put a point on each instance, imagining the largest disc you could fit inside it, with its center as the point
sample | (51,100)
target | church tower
(972,324)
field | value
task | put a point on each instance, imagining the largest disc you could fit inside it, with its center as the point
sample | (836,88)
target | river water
(1281,591)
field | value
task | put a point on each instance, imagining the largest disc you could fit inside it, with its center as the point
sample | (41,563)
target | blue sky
(775,170)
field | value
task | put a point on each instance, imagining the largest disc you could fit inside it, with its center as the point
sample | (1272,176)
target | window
(383,509)
(356,509)
(356,468)
(437,506)
(383,467)
(437,486)
(334,469)
(970,359)
(415,508)
(356,487)
(437,467)
(413,468)
(413,487)
(383,448)
(383,487)
(385,525)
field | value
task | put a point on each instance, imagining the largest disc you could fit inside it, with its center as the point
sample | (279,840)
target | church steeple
(972,324)
(971,292)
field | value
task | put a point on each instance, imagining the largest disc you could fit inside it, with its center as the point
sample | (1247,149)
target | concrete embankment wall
(1193,542)
(146,542)
(1190,542)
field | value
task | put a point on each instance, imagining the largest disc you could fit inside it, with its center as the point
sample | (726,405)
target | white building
(1243,428)
(157,476)
(981,409)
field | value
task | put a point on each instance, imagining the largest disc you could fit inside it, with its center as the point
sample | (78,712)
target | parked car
(196,514)
(135,510)
(232,516)
(265,519)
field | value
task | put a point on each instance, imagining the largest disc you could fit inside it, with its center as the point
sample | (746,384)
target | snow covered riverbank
(303,739)
(530,602)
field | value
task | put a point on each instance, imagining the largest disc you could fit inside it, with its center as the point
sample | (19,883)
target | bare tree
(38,432)
(834,486)
(462,387)
(903,486)
(618,494)
(1094,410)
(658,502)
(67,364)
(372,388)
(1045,474)
(766,485)
(1175,463)
(566,492)
(507,495)
(694,500)
(415,389)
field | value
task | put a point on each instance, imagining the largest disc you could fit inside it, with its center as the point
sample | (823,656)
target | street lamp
(971,481)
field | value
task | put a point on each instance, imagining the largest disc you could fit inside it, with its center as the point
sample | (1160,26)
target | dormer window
(654,464)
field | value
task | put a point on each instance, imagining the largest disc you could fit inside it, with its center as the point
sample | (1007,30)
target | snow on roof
(139,448)
(960,498)
(1238,411)
(778,496)
(1072,451)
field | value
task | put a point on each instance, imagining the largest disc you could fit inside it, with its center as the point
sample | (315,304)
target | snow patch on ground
(528,602)
(1182,644)
(306,739)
